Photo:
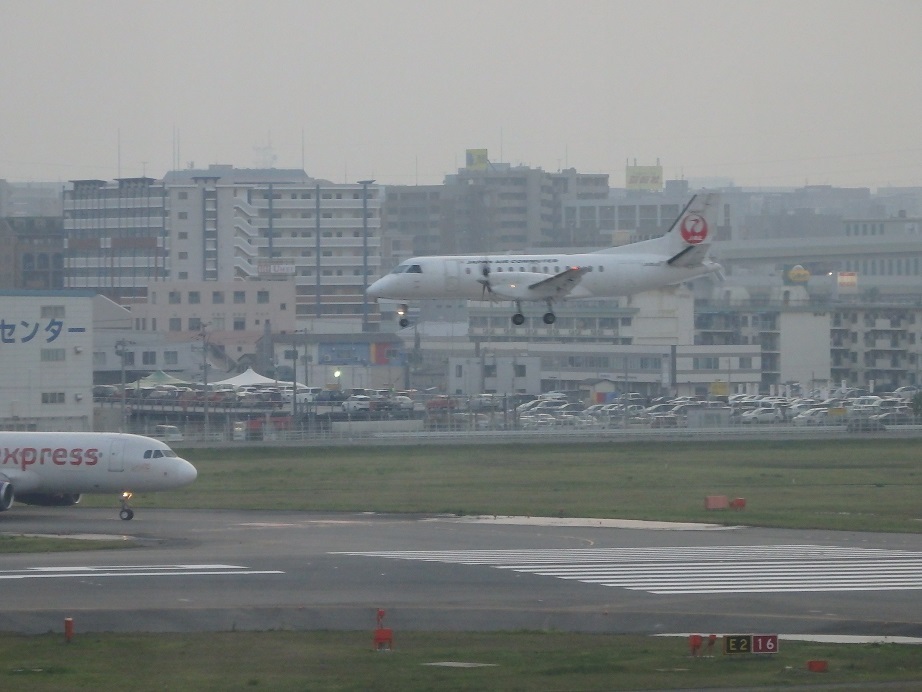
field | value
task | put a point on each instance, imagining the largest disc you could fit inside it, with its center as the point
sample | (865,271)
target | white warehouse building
(46,346)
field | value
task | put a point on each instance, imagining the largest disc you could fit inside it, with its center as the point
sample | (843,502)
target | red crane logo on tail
(694,229)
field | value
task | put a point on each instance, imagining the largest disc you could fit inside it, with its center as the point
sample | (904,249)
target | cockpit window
(407,269)
(159,453)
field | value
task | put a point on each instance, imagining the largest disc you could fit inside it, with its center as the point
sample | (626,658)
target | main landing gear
(127,514)
(518,319)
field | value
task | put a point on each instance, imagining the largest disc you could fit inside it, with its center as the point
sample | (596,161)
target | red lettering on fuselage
(24,457)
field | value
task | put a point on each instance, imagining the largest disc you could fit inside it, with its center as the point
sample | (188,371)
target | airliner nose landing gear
(402,313)
(127,513)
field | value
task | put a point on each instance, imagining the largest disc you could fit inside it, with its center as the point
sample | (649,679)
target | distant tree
(917,404)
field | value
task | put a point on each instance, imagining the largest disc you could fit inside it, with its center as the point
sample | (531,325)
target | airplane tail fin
(688,239)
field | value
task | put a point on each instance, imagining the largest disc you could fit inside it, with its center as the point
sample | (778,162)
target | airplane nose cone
(186,472)
(374,291)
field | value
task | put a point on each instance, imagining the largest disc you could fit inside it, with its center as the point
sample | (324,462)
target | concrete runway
(220,570)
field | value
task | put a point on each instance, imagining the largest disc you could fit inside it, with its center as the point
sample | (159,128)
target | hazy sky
(769,93)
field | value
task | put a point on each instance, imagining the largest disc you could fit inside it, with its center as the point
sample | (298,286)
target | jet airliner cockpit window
(407,269)
(158,453)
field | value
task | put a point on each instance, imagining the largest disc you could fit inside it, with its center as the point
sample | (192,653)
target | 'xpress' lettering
(23,457)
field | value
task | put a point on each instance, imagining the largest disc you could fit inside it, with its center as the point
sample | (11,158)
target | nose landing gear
(126,514)
(402,313)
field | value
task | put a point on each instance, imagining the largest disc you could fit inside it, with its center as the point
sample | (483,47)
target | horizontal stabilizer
(689,256)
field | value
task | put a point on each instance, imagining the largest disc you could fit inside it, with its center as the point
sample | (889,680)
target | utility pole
(205,397)
(120,352)
(365,184)
(294,380)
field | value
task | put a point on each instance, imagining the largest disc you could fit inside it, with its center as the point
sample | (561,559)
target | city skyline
(775,94)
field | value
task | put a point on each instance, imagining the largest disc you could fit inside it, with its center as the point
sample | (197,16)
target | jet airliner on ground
(55,468)
(677,256)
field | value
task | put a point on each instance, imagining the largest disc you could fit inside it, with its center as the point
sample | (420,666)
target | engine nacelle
(6,495)
(49,499)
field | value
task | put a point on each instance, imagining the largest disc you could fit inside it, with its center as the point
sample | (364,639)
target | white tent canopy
(245,378)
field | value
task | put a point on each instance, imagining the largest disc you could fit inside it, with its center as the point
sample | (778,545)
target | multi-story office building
(32,253)
(116,236)
(223,224)
(486,209)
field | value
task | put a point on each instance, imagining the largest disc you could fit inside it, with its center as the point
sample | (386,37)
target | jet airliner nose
(374,291)
(185,472)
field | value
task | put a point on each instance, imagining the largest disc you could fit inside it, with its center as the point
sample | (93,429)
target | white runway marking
(702,570)
(130,571)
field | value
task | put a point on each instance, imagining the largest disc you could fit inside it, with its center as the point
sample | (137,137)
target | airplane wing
(516,286)
(560,285)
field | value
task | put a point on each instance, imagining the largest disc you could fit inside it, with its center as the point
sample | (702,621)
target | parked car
(664,420)
(105,391)
(331,396)
(167,433)
(356,403)
(762,414)
(402,402)
(440,402)
(811,417)
(896,418)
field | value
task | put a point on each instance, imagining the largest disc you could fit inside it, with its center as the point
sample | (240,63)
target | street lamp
(294,374)
(120,352)
(365,184)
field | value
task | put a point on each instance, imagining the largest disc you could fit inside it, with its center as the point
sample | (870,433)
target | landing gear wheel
(518,319)
(404,322)
(127,514)
(549,318)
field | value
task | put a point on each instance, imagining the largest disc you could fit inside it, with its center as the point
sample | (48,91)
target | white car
(357,402)
(810,417)
(402,403)
(763,414)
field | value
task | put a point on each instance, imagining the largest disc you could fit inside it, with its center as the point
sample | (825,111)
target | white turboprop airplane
(55,468)
(677,256)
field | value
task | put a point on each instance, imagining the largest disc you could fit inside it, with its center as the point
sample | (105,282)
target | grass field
(511,661)
(856,485)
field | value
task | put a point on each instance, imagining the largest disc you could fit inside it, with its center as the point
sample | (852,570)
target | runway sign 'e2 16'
(751,644)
